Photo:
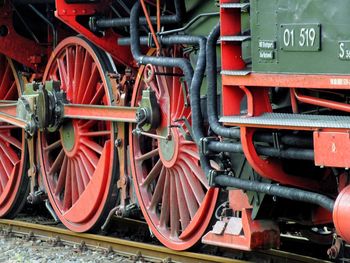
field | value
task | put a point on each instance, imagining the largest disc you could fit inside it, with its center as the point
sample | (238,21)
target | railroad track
(140,252)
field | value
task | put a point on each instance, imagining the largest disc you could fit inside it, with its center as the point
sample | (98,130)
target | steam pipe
(289,153)
(232,133)
(125,21)
(276,190)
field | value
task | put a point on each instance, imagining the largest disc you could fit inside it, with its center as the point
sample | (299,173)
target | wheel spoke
(53,146)
(78,172)
(62,73)
(174,208)
(87,124)
(62,177)
(157,194)
(197,171)
(153,174)
(148,155)
(67,199)
(191,202)
(182,203)
(92,145)
(91,84)
(70,71)
(180,103)
(79,57)
(57,163)
(84,76)
(6,163)
(164,211)
(11,140)
(10,153)
(191,153)
(3,177)
(90,155)
(99,94)
(89,168)
(75,191)
(195,186)
(84,174)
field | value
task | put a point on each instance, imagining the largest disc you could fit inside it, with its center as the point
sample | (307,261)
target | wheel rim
(79,162)
(13,182)
(167,173)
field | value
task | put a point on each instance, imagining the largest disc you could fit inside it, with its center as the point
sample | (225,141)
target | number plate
(300,37)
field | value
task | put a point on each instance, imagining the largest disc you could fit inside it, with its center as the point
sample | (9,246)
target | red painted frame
(69,13)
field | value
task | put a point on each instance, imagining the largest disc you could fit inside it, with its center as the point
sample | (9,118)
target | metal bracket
(204,142)
(212,174)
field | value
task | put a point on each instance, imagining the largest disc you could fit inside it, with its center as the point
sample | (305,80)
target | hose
(276,190)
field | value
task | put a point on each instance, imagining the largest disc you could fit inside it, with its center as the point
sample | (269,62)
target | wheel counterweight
(13,149)
(78,161)
(172,189)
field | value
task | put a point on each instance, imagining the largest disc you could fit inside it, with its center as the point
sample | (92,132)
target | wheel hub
(68,137)
(169,149)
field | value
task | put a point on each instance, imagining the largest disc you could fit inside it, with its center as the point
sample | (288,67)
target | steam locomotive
(221,122)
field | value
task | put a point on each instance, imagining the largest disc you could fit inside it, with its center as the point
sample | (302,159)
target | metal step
(242,6)
(235,72)
(289,120)
(235,38)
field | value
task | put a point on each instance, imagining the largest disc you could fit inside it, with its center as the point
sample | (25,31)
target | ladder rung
(235,38)
(242,6)
(235,72)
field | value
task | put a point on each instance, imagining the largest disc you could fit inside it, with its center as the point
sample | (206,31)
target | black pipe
(289,153)
(212,88)
(193,79)
(284,139)
(276,190)
(125,21)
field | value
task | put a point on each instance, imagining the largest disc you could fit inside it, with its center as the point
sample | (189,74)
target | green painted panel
(300,36)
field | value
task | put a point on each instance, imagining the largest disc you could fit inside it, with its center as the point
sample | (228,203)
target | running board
(289,121)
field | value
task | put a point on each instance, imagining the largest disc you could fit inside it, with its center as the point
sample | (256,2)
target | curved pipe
(277,190)
(232,133)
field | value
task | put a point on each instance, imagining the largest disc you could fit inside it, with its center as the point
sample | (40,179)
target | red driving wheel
(79,162)
(14,183)
(171,187)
